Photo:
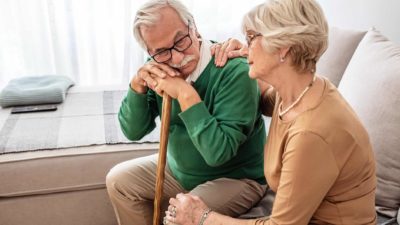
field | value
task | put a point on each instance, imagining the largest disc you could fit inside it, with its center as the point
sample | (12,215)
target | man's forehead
(159,37)
(165,30)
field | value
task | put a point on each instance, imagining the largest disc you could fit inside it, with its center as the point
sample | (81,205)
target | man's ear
(197,32)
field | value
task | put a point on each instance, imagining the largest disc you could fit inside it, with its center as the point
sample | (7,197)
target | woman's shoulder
(333,116)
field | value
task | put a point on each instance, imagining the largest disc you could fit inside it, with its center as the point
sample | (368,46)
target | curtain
(91,41)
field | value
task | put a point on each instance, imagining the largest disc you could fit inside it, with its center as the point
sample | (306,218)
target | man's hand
(231,48)
(179,89)
(146,75)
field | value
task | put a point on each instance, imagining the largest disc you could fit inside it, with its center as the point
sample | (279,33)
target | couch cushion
(342,44)
(384,220)
(83,207)
(63,170)
(398,216)
(371,84)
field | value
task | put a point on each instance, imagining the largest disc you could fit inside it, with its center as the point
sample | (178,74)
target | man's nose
(176,56)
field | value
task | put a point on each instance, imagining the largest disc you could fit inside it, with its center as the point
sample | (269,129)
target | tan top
(320,165)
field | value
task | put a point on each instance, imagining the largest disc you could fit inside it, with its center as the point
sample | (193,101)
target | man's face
(171,31)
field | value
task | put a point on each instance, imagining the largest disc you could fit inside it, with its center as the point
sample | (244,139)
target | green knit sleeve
(218,129)
(137,113)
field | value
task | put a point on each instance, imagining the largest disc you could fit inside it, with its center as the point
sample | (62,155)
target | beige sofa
(66,187)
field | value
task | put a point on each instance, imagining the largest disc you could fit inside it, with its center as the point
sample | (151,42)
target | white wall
(384,15)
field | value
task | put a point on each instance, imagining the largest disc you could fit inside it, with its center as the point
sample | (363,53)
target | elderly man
(217,134)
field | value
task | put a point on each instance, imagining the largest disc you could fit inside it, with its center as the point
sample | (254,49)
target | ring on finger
(173,212)
(165,221)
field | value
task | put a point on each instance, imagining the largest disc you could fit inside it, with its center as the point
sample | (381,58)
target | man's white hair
(149,14)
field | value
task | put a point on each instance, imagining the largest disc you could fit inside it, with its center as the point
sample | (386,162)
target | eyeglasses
(180,45)
(250,36)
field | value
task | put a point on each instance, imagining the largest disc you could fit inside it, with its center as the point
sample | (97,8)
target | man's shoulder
(232,66)
(231,63)
(235,72)
(237,62)
(235,68)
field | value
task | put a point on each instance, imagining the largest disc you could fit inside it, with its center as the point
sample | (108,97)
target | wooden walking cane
(165,119)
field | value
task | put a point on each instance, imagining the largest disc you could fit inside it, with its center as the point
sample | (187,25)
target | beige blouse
(321,166)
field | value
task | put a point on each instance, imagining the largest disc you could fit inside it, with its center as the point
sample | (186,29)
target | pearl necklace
(297,100)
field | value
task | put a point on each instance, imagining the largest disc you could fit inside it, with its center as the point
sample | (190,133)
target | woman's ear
(283,52)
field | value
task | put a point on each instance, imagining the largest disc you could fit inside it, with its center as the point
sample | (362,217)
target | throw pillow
(371,84)
(34,90)
(342,44)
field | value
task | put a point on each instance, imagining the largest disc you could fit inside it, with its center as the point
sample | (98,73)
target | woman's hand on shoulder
(231,48)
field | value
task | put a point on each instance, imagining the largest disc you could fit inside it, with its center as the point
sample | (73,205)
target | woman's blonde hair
(298,24)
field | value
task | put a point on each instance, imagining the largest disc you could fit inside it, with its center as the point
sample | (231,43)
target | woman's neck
(291,86)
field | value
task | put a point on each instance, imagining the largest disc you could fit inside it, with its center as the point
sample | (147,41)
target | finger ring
(173,212)
(165,221)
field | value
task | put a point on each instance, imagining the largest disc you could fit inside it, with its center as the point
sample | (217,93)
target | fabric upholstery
(398,216)
(62,173)
(342,44)
(66,208)
(371,84)
(62,187)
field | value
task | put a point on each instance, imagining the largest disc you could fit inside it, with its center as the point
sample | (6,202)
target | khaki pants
(131,187)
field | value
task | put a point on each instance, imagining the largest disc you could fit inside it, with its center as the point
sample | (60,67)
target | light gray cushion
(371,84)
(398,216)
(34,90)
(342,44)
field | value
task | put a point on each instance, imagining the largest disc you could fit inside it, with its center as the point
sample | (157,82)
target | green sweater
(222,136)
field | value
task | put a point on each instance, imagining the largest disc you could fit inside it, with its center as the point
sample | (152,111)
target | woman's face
(263,64)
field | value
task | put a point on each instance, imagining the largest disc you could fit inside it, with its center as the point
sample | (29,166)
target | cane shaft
(162,156)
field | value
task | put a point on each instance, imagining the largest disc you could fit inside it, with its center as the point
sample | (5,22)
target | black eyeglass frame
(154,56)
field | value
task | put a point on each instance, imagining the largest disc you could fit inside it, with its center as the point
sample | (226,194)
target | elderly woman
(318,158)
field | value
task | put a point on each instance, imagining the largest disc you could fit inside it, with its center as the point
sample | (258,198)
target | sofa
(66,187)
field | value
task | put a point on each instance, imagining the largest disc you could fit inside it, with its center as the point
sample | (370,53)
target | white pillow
(342,44)
(371,84)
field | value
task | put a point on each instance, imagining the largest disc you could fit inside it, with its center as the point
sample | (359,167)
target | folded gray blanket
(35,90)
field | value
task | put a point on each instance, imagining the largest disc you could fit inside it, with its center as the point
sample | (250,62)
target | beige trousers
(131,187)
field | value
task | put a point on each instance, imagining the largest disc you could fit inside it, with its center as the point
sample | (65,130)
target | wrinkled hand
(173,86)
(231,48)
(188,209)
(146,75)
